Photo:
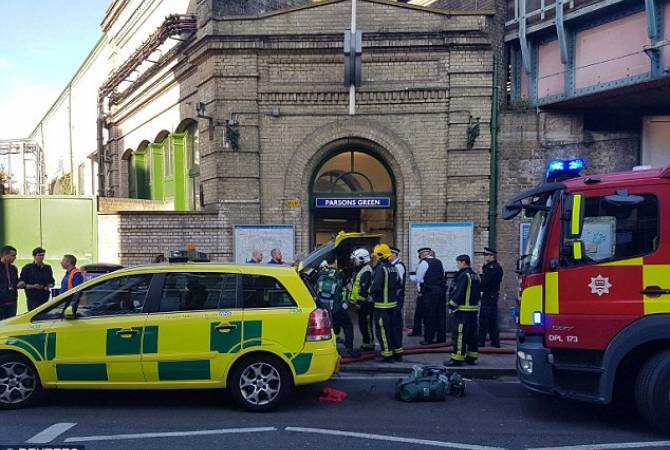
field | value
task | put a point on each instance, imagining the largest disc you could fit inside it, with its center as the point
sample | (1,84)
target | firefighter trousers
(465,336)
(387,331)
(488,324)
(365,325)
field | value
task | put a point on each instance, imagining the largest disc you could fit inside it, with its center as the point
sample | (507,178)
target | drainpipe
(493,183)
(101,148)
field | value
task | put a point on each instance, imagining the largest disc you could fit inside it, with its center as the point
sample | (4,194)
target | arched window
(352,172)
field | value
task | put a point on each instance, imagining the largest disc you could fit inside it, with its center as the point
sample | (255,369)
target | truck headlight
(525,362)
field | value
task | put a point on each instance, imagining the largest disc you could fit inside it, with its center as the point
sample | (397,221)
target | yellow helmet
(382,251)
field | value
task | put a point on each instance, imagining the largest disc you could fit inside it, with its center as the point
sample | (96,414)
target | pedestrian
(256,257)
(430,284)
(73,276)
(331,292)
(464,306)
(402,275)
(9,280)
(384,292)
(276,255)
(492,274)
(360,296)
(158,259)
(37,279)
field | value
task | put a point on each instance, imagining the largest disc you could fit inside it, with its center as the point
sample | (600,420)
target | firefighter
(492,275)
(330,289)
(431,287)
(360,296)
(464,306)
(384,291)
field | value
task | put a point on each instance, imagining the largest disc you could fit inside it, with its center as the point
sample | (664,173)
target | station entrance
(353,191)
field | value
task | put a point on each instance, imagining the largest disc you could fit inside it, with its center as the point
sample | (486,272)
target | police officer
(464,306)
(492,275)
(430,284)
(330,289)
(384,292)
(360,296)
(402,274)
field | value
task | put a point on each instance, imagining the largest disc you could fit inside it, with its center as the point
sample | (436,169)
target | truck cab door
(598,286)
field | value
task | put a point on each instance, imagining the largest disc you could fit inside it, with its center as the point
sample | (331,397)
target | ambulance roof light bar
(561,169)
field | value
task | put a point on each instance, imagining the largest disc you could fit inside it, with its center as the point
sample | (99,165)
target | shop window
(352,172)
(193,159)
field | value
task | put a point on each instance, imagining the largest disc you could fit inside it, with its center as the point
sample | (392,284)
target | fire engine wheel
(259,383)
(652,392)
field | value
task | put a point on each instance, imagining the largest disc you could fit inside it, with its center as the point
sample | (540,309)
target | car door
(197,326)
(272,318)
(103,343)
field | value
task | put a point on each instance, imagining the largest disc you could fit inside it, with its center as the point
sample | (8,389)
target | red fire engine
(594,320)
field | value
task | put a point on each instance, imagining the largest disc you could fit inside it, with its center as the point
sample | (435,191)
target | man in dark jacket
(9,280)
(37,279)
(431,287)
(464,306)
(492,275)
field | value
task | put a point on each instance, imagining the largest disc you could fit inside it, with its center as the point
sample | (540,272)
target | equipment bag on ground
(429,383)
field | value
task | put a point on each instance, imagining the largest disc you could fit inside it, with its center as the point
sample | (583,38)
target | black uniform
(337,304)
(401,298)
(37,274)
(9,278)
(434,302)
(492,275)
(384,291)
(464,303)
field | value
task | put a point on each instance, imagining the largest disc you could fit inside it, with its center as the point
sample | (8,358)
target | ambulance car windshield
(530,260)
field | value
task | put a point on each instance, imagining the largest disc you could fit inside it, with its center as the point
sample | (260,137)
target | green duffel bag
(422,389)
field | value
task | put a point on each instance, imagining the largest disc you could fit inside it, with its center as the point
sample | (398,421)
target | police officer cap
(395,250)
(490,251)
(424,249)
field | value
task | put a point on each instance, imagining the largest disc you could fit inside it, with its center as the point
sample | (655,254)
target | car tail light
(319,326)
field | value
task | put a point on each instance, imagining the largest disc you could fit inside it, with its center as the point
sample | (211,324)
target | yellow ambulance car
(251,328)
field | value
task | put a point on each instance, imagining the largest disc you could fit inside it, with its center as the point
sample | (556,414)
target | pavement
(492,362)
(494,415)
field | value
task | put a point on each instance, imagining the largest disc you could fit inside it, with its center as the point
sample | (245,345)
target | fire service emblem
(600,285)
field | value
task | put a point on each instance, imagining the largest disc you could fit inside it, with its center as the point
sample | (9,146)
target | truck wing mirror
(623,198)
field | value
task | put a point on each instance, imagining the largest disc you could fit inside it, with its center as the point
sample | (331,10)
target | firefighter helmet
(382,251)
(361,256)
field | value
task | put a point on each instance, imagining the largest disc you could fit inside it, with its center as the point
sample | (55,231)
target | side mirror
(70,313)
(624,199)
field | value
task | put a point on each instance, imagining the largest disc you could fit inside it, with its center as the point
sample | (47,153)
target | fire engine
(594,318)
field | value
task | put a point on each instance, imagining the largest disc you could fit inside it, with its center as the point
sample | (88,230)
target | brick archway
(381,141)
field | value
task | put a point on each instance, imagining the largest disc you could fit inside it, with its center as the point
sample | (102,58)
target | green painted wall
(61,225)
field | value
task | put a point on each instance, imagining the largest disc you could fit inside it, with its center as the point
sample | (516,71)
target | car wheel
(259,383)
(19,382)
(652,392)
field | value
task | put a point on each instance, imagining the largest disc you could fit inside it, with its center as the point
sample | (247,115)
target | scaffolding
(21,167)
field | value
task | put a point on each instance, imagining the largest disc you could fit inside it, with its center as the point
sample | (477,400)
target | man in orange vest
(73,276)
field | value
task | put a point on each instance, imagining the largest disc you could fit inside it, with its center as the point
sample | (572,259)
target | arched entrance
(352,190)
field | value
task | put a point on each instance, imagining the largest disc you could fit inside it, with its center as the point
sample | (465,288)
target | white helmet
(323,265)
(361,256)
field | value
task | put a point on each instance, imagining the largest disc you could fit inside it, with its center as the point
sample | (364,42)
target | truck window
(619,232)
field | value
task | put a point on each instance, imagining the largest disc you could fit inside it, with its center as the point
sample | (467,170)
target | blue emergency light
(564,168)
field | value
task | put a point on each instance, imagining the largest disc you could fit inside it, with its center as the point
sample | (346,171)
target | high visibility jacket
(360,291)
(385,286)
(465,292)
